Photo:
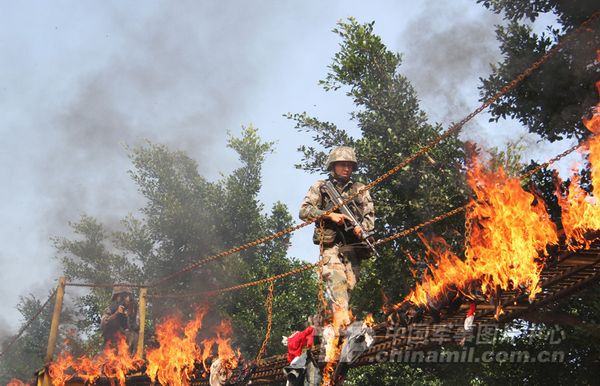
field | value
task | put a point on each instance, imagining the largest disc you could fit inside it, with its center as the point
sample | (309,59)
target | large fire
(444,275)
(173,361)
(176,359)
(510,231)
(113,363)
(580,210)
(227,356)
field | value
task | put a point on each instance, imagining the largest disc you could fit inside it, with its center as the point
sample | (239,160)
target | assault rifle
(337,199)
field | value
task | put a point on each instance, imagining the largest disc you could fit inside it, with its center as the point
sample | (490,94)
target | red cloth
(298,341)
(472,309)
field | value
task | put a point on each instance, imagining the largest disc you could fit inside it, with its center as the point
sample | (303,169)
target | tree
(27,353)
(552,101)
(392,127)
(187,217)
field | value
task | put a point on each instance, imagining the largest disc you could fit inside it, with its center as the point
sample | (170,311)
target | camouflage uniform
(340,265)
(126,324)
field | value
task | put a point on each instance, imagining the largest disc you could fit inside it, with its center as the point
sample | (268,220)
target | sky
(80,82)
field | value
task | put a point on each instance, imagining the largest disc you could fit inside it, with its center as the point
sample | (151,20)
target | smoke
(182,76)
(447,49)
(181,83)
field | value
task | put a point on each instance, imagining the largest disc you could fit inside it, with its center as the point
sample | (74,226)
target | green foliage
(509,158)
(392,374)
(27,354)
(552,101)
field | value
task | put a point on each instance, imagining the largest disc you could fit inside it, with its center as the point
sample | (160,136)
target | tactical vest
(332,232)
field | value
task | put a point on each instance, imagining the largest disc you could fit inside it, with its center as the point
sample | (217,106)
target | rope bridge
(568,273)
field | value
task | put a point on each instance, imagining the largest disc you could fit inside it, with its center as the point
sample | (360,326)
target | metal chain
(403,233)
(469,204)
(424,149)
(231,251)
(105,285)
(554,159)
(408,231)
(237,287)
(468,227)
(27,325)
(322,300)
(454,129)
(318,265)
(269,303)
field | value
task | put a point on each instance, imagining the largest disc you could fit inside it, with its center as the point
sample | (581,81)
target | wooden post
(142,312)
(58,303)
(43,376)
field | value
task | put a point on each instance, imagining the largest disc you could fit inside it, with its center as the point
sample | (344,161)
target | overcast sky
(80,81)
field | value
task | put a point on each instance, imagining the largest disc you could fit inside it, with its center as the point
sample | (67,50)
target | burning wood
(510,230)
(176,361)
(114,363)
(173,362)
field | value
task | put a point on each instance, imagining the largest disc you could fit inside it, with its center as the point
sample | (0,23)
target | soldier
(342,250)
(121,318)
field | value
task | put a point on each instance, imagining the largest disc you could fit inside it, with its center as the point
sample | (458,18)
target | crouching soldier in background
(121,318)
(344,241)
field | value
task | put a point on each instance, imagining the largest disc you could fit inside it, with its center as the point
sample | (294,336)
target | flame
(447,271)
(16,382)
(369,320)
(58,369)
(509,233)
(228,357)
(580,210)
(509,229)
(116,363)
(173,361)
(113,362)
(333,341)
(207,346)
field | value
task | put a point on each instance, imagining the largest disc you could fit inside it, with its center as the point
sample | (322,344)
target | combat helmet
(120,289)
(341,153)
